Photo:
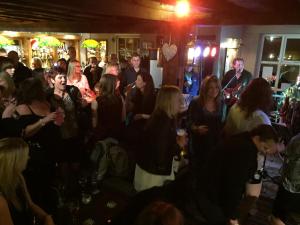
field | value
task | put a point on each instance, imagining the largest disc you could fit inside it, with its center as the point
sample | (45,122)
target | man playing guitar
(235,81)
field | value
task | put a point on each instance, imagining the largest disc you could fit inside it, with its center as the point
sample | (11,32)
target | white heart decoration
(169,51)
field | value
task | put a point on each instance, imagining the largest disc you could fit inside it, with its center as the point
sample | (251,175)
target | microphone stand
(229,82)
(225,106)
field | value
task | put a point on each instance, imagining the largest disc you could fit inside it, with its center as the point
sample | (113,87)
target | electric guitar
(232,95)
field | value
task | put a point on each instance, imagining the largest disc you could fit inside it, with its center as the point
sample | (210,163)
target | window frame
(281,60)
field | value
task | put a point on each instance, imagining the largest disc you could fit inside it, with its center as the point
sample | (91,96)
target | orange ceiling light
(182,8)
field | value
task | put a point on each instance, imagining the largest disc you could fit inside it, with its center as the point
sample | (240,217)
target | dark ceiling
(138,15)
(253,11)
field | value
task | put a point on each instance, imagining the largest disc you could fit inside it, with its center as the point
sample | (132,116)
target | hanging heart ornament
(169,51)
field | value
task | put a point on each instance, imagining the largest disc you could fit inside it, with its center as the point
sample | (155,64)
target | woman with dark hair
(67,101)
(252,109)
(62,63)
(140,103)
(143,101)
(205,120)
(107,109)
(39,129)
(7,65)
(248,113)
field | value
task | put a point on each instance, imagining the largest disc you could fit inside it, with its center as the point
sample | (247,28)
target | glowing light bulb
(213,52)
(206,51)
(191,53)
(182,8)
(197,52)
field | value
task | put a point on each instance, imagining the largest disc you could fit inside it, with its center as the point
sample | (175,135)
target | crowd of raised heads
(57,119)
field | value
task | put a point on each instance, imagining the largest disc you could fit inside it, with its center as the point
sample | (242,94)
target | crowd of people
(54,118)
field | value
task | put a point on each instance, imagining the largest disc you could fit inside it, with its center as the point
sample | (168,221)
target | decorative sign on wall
(169,51)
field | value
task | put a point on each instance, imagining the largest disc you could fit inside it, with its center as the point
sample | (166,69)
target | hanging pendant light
(90,43)
(48,41)
(5,41)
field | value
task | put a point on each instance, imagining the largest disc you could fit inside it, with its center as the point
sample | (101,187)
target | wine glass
(85,196)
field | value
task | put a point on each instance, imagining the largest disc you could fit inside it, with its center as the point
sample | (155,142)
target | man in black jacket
(219,187)
(130,74)
(235,81)
(93,72)
(21,72)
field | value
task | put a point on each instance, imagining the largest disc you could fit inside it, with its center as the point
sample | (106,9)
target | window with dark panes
(292,51)
(271,49)
(280,60)
(127,46)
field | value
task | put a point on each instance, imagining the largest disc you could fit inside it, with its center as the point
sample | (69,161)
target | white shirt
(237,123)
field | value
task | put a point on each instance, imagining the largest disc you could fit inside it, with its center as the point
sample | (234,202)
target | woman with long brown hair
(108,111)
(248,113)
(140,102)
(252,108)
(205,120)
(143,101)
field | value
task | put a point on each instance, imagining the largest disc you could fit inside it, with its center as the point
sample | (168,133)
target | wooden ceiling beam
(115,26)
(142,9)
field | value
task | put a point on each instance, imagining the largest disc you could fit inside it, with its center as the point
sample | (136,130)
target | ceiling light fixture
(182,8)
(90,43)
(48,41)
(5,41)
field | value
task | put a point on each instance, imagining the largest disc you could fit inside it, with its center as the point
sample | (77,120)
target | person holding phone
(205,120)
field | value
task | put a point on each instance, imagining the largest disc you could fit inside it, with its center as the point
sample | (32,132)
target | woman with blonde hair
(38,71)
(74,77)
(7,91)
(16,206)
(37,63)
(160,142)
(205,120)
(7,104)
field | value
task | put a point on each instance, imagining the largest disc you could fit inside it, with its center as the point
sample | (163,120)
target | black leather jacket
(159,145)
